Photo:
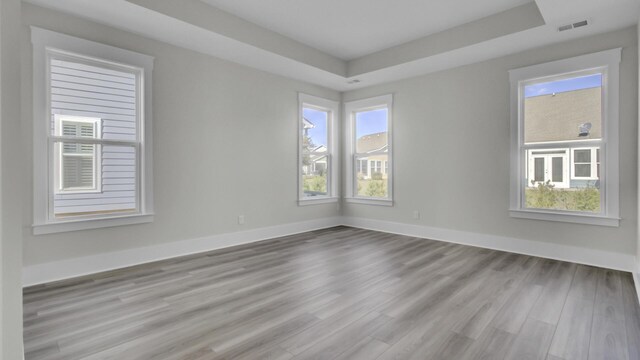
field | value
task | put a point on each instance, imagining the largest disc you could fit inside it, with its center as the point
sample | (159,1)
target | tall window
(91,118)
(564,117)
(317,168)
(370,161)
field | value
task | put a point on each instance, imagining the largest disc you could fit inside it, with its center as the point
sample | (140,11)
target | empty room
(299,179)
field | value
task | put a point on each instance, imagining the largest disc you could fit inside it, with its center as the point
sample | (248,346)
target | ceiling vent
(353,81)
(573,26)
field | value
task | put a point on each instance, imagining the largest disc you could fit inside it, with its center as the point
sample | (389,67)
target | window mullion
(563,144)
(87,140)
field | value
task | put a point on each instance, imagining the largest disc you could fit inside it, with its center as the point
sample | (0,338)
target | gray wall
(11,187)
(451,149)
(212,164)
(224,140)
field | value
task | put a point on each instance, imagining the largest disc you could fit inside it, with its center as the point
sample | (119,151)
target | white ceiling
(195,25)
(354,28)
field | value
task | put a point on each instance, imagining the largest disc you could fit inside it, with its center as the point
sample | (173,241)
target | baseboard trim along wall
(71,268)
(60,270)
(605,259)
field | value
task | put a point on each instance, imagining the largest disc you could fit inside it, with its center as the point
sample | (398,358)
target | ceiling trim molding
(508,22)
(197,26)
(207,17)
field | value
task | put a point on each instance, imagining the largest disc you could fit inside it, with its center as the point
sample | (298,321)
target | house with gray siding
(571,119)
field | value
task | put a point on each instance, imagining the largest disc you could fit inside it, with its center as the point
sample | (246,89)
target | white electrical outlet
(416,215)
(240,219)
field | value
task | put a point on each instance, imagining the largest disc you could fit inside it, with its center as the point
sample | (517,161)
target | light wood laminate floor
(340,293)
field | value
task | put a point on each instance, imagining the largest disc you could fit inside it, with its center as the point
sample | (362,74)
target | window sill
(566,217)
(88,224)
(378,202)
(317,201)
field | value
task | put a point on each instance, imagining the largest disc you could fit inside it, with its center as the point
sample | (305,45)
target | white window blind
(78,161)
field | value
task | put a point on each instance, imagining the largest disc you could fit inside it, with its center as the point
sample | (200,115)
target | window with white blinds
(77,165)
(95,158)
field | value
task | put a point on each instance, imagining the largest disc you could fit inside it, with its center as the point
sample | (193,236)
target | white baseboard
(70,268)
(65,269)
(580,255)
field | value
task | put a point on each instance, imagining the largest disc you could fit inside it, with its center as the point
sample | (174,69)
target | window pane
(557,169)
(78,172)
(314,176)
(583,170)
(551,190)
(539,169)
(372,183)
(362,167)
(77,149)
(102,182)
(563,110)
(371,129)
(83,90)
(73,126)
(315,132)
(582,156)
(598,163)
(547,196)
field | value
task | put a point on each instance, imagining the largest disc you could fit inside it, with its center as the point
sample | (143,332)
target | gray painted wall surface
(224,145)
(11,166)
(451,149)
(206,109)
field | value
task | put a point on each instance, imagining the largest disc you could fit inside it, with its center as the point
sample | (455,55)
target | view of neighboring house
(90,102)
(366,167)
(316,163)
(571,119)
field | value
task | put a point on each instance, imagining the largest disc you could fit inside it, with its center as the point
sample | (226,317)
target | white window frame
(593,164)
(605,62)
(332,108)
(45,45)
(350,109)
(377,166)
(97,171)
